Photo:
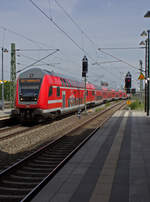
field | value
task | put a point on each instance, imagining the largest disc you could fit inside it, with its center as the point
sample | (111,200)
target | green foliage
(99,109)
(7,90)
(107,104)
(137,105)
(102,108)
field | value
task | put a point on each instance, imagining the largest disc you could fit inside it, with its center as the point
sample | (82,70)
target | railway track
(23,180)
(6,121)
(15,130)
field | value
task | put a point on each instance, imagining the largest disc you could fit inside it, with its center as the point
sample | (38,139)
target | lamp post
(2,81)
(147,69)
(147,15)
(145,43)
(148,75)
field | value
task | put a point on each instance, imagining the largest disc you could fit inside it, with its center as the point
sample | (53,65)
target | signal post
(128,79)
(84,72)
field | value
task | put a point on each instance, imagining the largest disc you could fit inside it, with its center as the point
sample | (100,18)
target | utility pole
(2,79)
(148,75)
(146,41)
(13,74)
(85,93)
(4,50)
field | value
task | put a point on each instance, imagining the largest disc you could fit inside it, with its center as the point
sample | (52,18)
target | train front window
(29,89)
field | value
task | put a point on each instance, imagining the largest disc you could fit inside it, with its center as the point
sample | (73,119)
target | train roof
(32,73)
(40,73)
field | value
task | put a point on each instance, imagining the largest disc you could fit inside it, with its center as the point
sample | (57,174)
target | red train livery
(41,94)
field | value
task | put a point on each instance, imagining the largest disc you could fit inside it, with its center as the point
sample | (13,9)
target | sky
(95,28)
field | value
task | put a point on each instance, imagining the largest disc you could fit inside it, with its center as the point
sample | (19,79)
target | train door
(64,99)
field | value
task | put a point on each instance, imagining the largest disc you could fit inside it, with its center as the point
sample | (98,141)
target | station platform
(113,166)
(5,113)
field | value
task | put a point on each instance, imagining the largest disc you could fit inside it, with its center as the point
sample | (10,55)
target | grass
(99,109)
(107,104)
(102,108)
(137,105)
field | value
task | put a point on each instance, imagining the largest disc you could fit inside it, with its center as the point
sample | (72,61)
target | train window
(65,83)
(98,97)
(104,94)
(77,84)
(50,91)
(69,103)
(62,83)
(74,84)
(58,91)
(68,84)
(93,93)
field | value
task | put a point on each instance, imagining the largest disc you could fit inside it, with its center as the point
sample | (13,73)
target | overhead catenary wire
(50,10)
(104,52)
(82,32)
(37,61)
(41,49)
(123,48)
(58,27)
(105,62)
(62,30)
(118,59)
(23,36)
(74,22)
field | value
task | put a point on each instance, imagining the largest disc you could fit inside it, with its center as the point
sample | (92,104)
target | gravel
(16,148)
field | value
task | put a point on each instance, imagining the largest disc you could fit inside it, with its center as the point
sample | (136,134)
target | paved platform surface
(113,166)
(5,113)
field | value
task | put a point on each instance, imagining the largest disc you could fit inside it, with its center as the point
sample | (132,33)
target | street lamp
(148,75)
(147,15)
(4,50)
(144,43)
(144,33)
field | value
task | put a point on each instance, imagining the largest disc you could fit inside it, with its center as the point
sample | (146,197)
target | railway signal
(128,83)
(128,79)
(84,72)
(84,66)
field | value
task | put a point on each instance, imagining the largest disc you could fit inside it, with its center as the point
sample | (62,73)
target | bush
(137,105)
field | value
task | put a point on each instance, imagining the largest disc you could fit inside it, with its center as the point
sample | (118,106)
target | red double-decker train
(43,94)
